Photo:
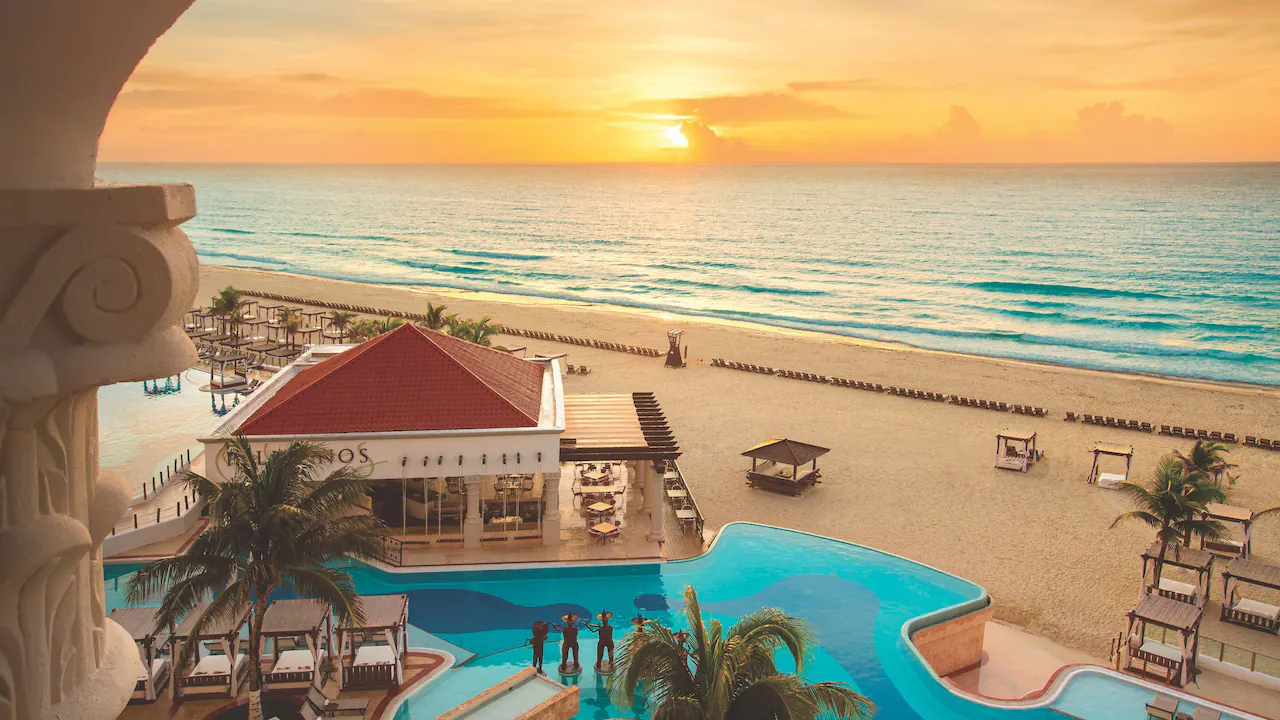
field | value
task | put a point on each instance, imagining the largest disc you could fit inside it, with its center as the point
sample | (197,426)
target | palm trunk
(255,658)
(1159,568)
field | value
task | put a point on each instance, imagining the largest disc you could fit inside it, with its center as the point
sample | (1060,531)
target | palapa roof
(1113,449)
(139,622)
(1181,556)
(216,629)
(1168,612)
(1229,512)
(408,379)
(785,451)
(294,617)
(381,612)
(1252,571)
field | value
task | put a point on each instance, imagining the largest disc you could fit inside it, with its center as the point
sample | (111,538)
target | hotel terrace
(472,455)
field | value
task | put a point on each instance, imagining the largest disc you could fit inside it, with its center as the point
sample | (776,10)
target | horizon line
(780,163)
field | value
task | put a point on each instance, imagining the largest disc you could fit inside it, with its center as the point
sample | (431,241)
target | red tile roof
(408,379)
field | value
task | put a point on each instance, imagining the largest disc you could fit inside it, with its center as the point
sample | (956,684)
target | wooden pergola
(378,645)
(1230,514)
(1243,611)
(1198,561)
(1176,663)
(219,673)
(771,458)
(1016,449)
(1110,481)
(153,672)
(600,428)
(301,633)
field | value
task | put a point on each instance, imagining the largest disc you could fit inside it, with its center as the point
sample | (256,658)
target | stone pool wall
(955,644)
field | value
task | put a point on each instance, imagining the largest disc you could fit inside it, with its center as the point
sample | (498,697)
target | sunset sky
(742,80)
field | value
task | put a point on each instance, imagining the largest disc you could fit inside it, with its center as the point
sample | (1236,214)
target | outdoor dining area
(777,465)
(599,491)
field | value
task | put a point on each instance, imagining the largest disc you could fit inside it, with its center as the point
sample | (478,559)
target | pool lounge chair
(1162,708)
(292,668)
(356,706)
(213,674)
(1254,614)
(374,665)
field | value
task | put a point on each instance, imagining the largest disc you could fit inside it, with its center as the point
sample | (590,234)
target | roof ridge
(471,372)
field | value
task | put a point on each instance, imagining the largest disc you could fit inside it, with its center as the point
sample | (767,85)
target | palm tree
(387,325)
(278,524)
(461,329)
(435,318)
(704,674)
(481,331)
(228,300)
(1209,459)
(292,323)
(362,330)
(340,320)
(1173,504)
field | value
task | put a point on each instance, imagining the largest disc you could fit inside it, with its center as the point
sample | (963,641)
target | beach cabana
(301,632)
(1174,664)
(1108,480)
(1016,450)
(222,668)
(1227,546)
(1199,562)
(376,648)
(153,670)
(1244,611)
(776,463)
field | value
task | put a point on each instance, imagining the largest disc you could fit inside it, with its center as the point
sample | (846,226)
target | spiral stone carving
(99,278)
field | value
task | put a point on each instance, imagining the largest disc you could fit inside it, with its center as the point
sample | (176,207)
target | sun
(676,137)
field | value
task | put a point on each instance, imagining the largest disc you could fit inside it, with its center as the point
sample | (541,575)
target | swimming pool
(140,433)
(856,599)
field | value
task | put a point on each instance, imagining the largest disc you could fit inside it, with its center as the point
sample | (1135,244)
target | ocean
(1172,270)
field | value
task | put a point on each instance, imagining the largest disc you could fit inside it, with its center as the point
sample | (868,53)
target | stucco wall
(564,706)
(954,645)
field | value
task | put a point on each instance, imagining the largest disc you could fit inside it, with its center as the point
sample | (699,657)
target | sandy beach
(907,476)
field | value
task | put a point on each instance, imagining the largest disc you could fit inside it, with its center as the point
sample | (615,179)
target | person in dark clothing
(605,631)
(539,641)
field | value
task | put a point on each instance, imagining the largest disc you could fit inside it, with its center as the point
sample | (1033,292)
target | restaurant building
(462,444)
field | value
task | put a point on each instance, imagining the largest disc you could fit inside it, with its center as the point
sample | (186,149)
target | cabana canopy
(1226,546)
(1244,611)
(217,674)
(141,624)
(1168,613)
(1015,449)
(1110,481)
(302,618)
(1178,662)
(770,459)
(216,630)
(386,616)
(1198,561)
(293,618)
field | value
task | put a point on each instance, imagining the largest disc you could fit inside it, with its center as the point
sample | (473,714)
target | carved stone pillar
(93,285)
(551,508)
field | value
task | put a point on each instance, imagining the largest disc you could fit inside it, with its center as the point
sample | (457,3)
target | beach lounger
(1265,444)
(1254,614)
(1230,437)
(1110,481)
(1162,708)
(215,671)
(1250,440)
(1215,435)
(292,667)
(1204,713)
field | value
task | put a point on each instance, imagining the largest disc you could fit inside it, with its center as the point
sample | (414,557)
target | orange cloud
(740,109)
(705,145)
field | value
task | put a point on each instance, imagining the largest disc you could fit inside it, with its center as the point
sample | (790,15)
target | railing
(181,506)
(390,551)
(1230,654)
(699,522)
(159,479)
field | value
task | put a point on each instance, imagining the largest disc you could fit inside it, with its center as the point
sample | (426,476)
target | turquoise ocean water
(1172,270)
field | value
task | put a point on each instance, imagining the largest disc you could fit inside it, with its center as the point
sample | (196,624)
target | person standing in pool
(539,641)
(605,631)
(569,630)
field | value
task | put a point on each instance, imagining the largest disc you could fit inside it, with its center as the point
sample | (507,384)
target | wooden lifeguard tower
(674,358)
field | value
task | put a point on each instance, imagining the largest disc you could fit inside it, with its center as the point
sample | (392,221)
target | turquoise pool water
(856,599)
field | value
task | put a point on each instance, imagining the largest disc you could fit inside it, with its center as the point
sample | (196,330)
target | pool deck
(420,665)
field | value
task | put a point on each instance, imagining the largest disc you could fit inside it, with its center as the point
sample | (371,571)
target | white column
(473,526)
(93,285)
(641,475)
(551,508)
(653,489)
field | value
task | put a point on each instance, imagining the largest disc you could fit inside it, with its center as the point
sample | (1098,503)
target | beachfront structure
(462,444)
(776,463)
(373,653)
(1016,449)
(1199,562)
(1173,663)
(1230,515)
(217,667)
(152,641)
(302,635)
(1246,611)
(1109,480)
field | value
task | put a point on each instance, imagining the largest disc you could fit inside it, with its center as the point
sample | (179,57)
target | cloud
(740,109)
(311,77)
(1181,83)
(705,145)
(1105,129)
(960,127)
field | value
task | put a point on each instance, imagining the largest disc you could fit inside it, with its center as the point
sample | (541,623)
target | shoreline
(519,300)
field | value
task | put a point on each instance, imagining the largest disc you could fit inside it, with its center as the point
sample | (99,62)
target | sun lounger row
(810,377)
(585,342)
(579,369)
(858,385)
(1263,443)
(916,394)
(1118,423)
(1178,431)
(746,367)
(981,404)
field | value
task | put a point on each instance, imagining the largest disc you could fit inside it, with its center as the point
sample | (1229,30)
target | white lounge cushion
(1261,609)
(157,668)
(369,655)
(1165,651)
(1180,588)
(1110,481)
(215,665)
(291,661)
